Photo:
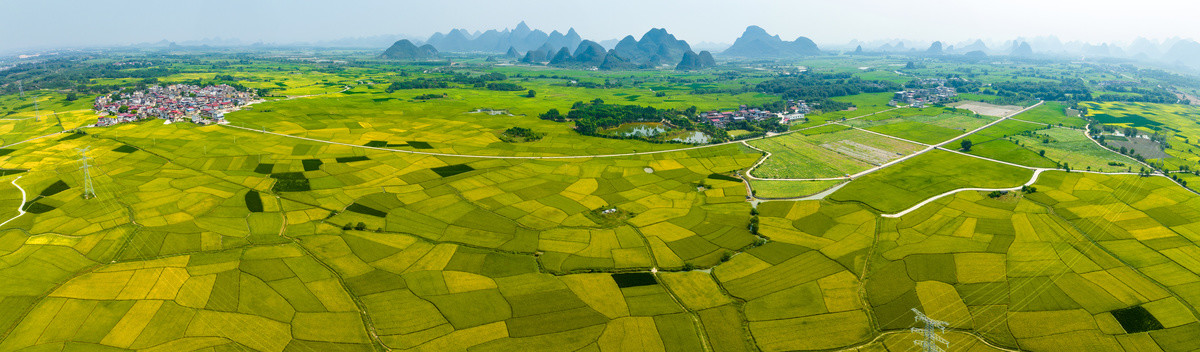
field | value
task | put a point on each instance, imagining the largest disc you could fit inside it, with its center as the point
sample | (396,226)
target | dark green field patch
(1133,120)
(634,279)
(350,159)
(290,182)
(311,164)
(264,169)
(419,145)
(37,208)
(362,209)
(55,188)
(125,148)
(6,172)
(4,152)
(72,136)
(254,201)
(1136,319)
(724,178)
(376,144)
(451,170)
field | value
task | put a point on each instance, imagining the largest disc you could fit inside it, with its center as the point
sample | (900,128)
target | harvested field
(988,109)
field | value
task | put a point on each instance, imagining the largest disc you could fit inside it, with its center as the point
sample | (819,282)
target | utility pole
(930,340)
(89,192)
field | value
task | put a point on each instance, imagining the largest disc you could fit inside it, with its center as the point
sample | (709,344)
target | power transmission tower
(88,191)
(37,111)
(930,340)
(21,89)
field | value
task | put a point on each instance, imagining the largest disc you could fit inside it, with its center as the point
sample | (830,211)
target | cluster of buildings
(174,103)
(796,110)
(720,119)
(918,98)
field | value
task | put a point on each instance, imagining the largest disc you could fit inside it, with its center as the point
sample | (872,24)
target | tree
(72,96)
(966,145)
(1042,152)
(531,94)
(552,115)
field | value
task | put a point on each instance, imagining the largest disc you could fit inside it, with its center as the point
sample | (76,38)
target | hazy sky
(55,23)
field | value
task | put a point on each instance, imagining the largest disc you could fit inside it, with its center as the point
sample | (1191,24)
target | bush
(504,87)
(520,134)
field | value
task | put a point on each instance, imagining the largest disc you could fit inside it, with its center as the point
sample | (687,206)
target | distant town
(174,103)
(794,111)
(919,98)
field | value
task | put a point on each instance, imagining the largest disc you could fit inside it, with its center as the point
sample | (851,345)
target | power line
(930,341)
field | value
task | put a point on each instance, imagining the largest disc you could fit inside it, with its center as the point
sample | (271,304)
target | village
(795,110)
(174,103)
(919,98)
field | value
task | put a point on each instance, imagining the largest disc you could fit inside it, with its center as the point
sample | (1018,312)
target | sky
(46,24)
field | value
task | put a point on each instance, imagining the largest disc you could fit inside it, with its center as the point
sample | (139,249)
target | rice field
(228,239)
(905,184)
(826,155)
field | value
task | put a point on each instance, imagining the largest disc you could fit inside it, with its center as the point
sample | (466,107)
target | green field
(1053,113)
(789,189)
(834,154)
(896,188)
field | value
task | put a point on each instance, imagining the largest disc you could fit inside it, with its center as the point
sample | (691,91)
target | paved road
(31,139)
(935,146)
(20,211)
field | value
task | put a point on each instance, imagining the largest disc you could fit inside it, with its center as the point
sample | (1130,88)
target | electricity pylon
(930,340)
(88,191)
(37,111)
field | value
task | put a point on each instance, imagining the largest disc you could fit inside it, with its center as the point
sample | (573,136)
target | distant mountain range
(658,48)
(521,39)
(406,50)
(1175,51)
(755,42)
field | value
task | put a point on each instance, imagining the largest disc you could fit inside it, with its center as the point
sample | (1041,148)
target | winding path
(1032,180)
(20,211)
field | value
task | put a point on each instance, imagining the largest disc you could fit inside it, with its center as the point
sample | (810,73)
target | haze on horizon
(59,23)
